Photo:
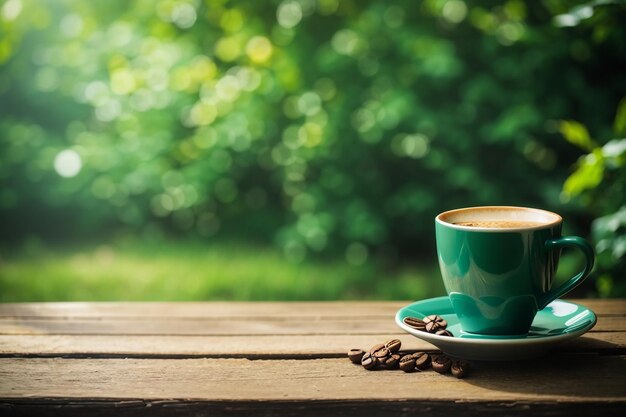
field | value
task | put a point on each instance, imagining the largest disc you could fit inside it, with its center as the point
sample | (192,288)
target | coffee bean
(422,360)
(459,368)
(434,322)
(392,361)
(393,345)
(407,363)
(415,323)
(386,356)
(381,353)
(355,355)
(369,361)
(442,364)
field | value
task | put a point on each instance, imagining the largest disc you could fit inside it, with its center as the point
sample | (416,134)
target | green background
(300,149)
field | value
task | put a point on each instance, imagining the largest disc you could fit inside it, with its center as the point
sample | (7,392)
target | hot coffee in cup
(498,265)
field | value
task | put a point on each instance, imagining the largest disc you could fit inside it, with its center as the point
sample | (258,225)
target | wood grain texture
(280,359)
(243,346)
(599,378)
(232,326)
(200,310)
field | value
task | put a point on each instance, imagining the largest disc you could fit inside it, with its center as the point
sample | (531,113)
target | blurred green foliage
(599,181)
(322,127)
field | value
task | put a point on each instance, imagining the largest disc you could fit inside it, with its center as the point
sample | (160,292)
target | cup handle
(573,242)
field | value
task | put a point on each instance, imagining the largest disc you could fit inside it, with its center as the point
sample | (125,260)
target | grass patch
(180,271)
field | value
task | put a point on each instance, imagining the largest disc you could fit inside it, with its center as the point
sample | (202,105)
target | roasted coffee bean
(459,368)
(444,332)
(369,361)
(381,353)
(415,323)
(422,360)
(392,361)
(393,345)
(442,364)
(407,363)
(355,355)
(434,323)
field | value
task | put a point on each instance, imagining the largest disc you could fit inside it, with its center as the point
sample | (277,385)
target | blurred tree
(323,126)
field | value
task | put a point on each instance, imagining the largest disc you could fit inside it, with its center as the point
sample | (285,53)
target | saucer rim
(486,339)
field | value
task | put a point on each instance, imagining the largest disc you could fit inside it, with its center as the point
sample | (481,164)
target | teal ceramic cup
(498,264)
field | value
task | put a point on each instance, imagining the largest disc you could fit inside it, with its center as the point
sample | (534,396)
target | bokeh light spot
(72,25)
(184,15)
(289,14)
(227,49)
(11,9)
(232,20)
(309,103)
(259,49)
(122,81)
(203,114)
(454,11)
(310,134)
(413,146)
(68,163)
(347,42)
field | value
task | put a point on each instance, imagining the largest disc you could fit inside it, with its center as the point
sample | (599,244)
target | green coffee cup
(498,265)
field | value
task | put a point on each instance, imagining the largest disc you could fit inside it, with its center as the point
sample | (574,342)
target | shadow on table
(600,371)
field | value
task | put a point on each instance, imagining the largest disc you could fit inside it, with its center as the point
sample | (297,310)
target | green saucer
(559,321)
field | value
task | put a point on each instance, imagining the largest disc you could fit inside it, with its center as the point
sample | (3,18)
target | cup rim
(440,219)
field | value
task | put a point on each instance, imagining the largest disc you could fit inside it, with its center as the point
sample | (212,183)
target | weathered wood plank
(555,378)
(232,326)
(212,309)
(45,407)
(216,309)
(246,346)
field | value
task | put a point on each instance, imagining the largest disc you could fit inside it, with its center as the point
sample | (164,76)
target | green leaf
(587,176)
(576,133)
(619,125)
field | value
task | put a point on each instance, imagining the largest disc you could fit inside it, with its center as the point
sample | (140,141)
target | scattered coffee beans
(431,324)
(356,355)
(407,363)
(381,353)
(459,368)
(434,323)
(442,364)
(415,323)
(369,361)
(385,355)
(392,361)
(393,345)
(422,361)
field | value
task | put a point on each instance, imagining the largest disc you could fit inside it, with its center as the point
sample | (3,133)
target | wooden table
(287,359)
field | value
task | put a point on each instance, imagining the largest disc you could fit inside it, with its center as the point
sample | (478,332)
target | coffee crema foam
(500,224)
